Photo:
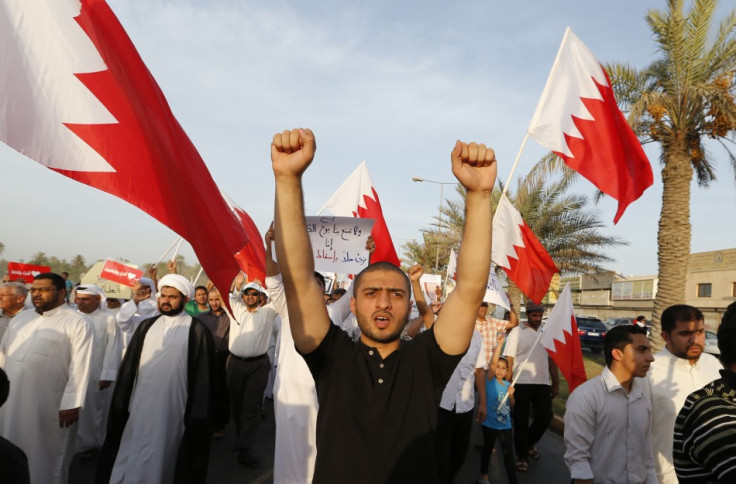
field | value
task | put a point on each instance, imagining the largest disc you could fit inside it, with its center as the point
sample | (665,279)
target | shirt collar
(612,384)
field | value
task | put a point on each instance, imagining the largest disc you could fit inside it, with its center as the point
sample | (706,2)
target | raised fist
(292,152)
(415,272)
(474,166)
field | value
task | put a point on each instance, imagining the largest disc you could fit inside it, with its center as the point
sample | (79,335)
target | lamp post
(439,217)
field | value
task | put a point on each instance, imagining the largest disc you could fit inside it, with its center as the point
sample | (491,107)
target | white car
(711,343)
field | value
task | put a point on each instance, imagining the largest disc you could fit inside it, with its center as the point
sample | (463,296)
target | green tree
(564,223)
(681,100)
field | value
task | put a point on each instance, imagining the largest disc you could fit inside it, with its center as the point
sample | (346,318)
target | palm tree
(562,222)
(679,101)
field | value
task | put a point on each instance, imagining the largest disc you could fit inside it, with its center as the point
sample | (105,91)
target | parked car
(711,343)
(613,322)
(592,332)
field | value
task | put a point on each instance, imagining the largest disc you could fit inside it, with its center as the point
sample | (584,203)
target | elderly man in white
(103,371)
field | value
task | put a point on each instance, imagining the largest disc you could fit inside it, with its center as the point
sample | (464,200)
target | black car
(592,332)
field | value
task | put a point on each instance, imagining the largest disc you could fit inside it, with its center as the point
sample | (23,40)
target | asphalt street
(223,468)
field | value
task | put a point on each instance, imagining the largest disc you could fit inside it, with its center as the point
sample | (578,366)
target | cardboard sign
(120,273)
(18,270)
(338,243)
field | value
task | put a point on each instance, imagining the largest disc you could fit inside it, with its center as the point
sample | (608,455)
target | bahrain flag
(578,119)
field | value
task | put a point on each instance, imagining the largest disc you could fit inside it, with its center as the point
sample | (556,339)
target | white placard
(431,285)
(338,243)
(495,293)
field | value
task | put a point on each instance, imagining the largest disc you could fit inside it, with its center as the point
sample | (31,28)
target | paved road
(550,469)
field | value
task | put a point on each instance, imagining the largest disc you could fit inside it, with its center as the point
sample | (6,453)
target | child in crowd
(498,421)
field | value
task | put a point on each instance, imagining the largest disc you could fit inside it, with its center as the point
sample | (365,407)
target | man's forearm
(297,264)
(474,259)
(473,267)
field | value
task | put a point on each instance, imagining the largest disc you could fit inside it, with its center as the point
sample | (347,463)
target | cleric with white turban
(178,282)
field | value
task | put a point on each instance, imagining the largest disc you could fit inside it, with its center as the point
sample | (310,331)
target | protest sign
(338,243)
(495,293)
(26,272)
(432,286)
(120,273)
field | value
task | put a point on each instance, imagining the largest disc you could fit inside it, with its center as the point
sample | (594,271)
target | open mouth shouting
(382,319)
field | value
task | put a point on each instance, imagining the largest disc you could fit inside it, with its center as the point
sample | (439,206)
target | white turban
(91,289)
(180,283)
(148,282)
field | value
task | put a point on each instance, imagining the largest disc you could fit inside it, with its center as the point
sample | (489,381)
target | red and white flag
(357,197)
(561,340)
(26,272)
(76,97)
(452,266)
(578,119)
(120,273)
(519,252)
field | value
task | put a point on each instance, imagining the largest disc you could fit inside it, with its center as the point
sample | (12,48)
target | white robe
(154,430)
(105,363)
(130,316)
(295,397)
(47,359)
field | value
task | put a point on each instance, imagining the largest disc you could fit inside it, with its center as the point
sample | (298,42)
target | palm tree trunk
(673,238)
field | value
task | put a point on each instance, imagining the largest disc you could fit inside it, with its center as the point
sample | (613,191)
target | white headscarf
(180,283)
(91,289)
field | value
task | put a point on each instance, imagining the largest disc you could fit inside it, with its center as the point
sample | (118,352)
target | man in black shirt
(378,397)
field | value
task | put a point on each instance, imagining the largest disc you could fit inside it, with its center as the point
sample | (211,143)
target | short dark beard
(172,312)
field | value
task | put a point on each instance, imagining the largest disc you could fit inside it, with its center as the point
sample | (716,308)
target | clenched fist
(292,152)
(474,166)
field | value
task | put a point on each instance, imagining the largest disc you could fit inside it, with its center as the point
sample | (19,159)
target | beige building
(710,286)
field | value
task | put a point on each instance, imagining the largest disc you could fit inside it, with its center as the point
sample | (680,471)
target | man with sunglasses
(248,365)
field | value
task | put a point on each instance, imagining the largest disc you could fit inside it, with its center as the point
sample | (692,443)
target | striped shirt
(705,433)
(607,432)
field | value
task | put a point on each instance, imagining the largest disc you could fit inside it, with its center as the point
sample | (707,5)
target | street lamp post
(439,217)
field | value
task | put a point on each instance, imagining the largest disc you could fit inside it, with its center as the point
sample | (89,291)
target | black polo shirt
(377,418)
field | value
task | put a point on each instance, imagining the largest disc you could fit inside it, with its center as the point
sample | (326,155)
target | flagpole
(176,251)
(198,274)
(511,174)
(523,363)
(167,251)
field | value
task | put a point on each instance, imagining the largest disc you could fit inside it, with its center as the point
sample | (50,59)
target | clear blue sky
(391,83)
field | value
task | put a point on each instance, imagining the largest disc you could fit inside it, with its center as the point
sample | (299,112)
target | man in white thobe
(46,354)
(161,415)
(139,308)
(103,371)
(295,397)
(678,370)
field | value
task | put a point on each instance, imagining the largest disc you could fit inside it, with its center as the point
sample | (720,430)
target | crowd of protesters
(367,387)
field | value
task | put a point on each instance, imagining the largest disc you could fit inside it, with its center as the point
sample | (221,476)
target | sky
(390,83)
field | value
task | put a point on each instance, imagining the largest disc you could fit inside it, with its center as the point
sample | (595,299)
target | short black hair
(200,287)
(321,279)
(641,318)
(55,279)
(727,336)
(618,337)
(483,305)
(4,387)
(339,290)
(679,313)
(380,266)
